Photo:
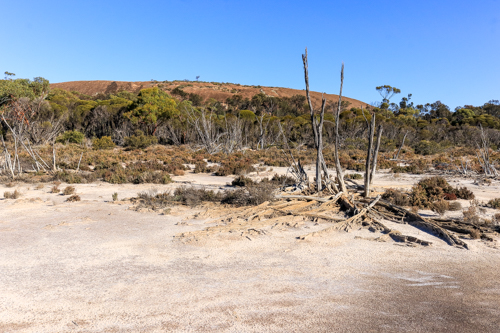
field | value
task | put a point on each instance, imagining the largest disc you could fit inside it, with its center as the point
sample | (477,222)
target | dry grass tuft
(73,198)
(12,195)
(69,190)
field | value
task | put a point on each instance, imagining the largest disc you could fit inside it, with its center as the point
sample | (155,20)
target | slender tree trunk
(338,167)
(375,153)
(317,127)
(369,156)
(400,147)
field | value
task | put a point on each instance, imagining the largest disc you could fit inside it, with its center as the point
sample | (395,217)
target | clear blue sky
(436,50)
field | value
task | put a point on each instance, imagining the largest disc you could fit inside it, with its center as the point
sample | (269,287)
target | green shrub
(140,141)
(71,137)
(425,147)
(103,143)
(115,196)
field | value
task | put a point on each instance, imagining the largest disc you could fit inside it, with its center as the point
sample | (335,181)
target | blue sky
(436,50)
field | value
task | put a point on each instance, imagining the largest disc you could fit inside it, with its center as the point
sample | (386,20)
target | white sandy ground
(95,266)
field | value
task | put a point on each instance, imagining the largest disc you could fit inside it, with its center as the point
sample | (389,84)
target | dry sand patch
(101,267)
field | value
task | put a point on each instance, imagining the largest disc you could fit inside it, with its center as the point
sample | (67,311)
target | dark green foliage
(103,143)
(71,137)
(140,141)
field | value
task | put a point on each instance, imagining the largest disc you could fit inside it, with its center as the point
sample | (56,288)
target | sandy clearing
(96,266)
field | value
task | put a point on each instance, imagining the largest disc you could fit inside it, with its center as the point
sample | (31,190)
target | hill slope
(218,91)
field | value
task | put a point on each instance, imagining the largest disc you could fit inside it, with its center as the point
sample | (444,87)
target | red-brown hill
(218,91)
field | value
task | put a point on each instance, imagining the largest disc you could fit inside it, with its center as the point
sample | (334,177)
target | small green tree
(152,107)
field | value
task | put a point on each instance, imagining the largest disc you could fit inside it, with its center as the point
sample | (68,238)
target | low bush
(73,198)
(396,197)
(455,206)
(470,214)
(12,195)
(494,203)
(114,196)
(354,176)
(69,190)
(71,137)
(103,143)
(242,181)
(440,206)
(235,167)
(55,189)
(140,141)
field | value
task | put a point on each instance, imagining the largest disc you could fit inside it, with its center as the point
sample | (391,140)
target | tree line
(30,110)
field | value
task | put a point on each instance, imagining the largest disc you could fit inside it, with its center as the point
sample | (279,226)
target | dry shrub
(57,183)
(69,190)
(10,184)
(475,234)
(494,203)
(455,206)
(55,189)
(251,195)
(396,197)
(242,181)
(178,172)
(39,187)
(440,207)
(114,196)
(12,195)
(354,176)
(235,165)
(192,196)
(433,189)
(470,214)
(73,198)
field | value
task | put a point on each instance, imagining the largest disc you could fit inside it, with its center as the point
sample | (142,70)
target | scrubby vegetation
(236,133)
(433,193)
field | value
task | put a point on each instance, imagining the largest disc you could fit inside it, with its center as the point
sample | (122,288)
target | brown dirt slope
(218,91)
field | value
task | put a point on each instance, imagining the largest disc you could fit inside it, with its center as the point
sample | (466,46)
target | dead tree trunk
(316,126)
(400,147)
(375,153)
(338,167)
(368,165)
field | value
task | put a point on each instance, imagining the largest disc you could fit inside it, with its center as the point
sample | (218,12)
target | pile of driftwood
(340,212)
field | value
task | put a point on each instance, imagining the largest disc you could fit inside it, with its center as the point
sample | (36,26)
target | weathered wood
(368,164)
(345,224)
(418,221)
(338,167)
(375,153)
(303,197)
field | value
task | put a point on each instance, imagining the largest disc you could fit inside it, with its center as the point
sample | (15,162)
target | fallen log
(303,197)
(416,220)
(344,225)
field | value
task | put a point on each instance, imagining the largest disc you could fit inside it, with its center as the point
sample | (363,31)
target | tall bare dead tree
(338,167)
(317,127)
(368,165)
